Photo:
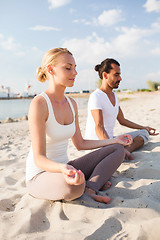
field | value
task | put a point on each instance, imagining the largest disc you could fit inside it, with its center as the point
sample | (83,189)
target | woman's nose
(75,72)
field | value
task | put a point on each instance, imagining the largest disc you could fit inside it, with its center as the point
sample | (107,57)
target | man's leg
(140,138)
(137,143)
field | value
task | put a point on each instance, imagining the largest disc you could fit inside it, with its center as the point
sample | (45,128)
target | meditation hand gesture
(151,131)
(125,139)
(72,175)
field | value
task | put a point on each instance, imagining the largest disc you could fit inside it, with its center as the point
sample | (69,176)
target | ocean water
(16,108)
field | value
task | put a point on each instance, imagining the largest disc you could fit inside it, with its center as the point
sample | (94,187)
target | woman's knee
(116,148)
(74,191)
(120,150)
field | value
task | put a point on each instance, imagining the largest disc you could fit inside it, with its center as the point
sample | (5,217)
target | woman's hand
(72,175)
(125,139)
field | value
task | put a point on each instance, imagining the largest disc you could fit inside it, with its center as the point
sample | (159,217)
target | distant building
(3,95)
(5,92)
(84,91)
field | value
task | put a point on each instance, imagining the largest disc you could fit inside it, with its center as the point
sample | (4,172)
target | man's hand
(151,131)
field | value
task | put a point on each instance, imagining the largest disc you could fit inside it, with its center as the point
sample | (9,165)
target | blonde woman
(53,119)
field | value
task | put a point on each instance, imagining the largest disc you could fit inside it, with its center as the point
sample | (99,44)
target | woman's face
(64,71)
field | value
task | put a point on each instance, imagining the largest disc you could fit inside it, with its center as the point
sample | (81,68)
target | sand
(134,211)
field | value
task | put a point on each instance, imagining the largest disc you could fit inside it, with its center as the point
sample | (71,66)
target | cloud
(156,51)
(44,28)
(152,6)
(109,18)
(72,10)
(87,50)
(92,49)
(130,41)
(58,3)
(9,44)
(84,21)
(156,26)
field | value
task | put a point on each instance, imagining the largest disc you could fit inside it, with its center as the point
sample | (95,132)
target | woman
(53,119)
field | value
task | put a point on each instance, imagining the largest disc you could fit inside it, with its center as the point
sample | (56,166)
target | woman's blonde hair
(49,58)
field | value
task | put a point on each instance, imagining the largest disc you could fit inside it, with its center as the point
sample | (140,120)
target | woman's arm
(83,144)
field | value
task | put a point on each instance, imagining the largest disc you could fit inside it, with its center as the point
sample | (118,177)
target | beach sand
(134,211)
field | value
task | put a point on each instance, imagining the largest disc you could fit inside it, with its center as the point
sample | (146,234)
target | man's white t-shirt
(99,100)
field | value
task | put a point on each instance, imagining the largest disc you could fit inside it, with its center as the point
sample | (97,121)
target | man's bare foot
(97,198)
(128,155)
(106,186)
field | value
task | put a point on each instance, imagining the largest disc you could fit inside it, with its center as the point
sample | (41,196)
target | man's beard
(116,85)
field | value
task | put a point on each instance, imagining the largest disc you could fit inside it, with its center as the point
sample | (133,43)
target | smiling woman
(53,119)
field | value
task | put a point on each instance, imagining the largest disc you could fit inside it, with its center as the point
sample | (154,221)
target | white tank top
(57,136)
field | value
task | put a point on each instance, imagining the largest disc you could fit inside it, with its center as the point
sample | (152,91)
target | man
(104,109)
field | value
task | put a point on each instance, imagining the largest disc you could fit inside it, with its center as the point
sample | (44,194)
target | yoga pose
(53,119)
(104,109)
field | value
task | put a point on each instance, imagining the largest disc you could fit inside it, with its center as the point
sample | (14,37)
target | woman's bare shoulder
(38,101)
(38,106)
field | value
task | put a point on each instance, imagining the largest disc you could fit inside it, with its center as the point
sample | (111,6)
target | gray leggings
(97,166)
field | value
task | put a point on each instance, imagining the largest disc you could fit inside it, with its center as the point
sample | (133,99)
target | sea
(17,108)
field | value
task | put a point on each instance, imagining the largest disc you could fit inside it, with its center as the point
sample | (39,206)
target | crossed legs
(97,166)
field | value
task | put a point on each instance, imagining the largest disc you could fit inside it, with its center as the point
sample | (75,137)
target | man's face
(114,77)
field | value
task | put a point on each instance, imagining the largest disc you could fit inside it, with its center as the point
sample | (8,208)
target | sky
(93,30)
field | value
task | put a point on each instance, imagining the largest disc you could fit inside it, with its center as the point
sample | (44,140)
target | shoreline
(86,95)
(17,98)
(79,95)
(122,96)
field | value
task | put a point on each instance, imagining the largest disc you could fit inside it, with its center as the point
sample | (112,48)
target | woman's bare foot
(97,198)
(106,186)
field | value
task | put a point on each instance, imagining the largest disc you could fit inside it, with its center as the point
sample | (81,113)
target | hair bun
(97,67)
(41,76)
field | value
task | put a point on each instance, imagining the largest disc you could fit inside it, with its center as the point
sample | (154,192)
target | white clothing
(99,100)
(57,136)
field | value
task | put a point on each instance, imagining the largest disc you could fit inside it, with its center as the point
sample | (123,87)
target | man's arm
(100,130)
(99,125)
(127,123)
